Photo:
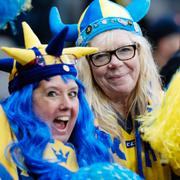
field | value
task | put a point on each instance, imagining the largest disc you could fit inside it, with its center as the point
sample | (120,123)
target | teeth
(63,118)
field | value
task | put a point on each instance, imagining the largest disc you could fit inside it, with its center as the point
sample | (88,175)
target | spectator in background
(165,36)
(169,69)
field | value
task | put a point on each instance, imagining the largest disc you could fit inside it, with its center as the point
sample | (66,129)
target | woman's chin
(63,139)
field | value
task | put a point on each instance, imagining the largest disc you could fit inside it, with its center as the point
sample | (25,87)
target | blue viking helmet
(101,16)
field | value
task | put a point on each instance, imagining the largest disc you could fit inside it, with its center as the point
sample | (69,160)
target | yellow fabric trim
(6,138)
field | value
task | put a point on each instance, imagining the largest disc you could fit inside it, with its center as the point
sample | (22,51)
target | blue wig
(33,135)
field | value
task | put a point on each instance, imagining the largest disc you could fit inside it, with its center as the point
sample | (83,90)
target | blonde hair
(147,90)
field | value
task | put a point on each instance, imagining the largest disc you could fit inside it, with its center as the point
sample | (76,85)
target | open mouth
(61,122)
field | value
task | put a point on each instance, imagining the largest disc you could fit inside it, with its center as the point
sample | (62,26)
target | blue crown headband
(39,61)
(101,16)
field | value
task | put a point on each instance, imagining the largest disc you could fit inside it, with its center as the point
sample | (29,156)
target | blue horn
(56,25)
(6,64)
(138,9)
(56,45)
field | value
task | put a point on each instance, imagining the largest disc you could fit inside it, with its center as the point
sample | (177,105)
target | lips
(116,76)
(61,122)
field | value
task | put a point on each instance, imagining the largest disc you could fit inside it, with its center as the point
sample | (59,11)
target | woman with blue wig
(121,79)
(46,125)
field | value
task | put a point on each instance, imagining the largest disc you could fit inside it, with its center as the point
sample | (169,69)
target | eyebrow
(121,46)
(75,87)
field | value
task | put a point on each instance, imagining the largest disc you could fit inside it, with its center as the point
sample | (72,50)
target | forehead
(113,39)
(57,82)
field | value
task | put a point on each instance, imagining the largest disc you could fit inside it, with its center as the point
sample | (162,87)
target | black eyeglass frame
(89,57)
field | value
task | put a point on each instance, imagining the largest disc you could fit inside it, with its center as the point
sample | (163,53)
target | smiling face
(118,78)
(56,103)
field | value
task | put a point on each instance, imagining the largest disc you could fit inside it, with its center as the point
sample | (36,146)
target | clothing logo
(130,144)
(61,156)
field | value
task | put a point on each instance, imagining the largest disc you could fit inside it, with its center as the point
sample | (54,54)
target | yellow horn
(30,39)
(23,56)
(80,51)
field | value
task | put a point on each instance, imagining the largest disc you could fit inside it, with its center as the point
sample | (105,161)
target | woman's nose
(115,61)
(64,103)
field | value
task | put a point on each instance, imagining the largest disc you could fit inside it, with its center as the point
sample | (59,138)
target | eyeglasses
(123,53)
